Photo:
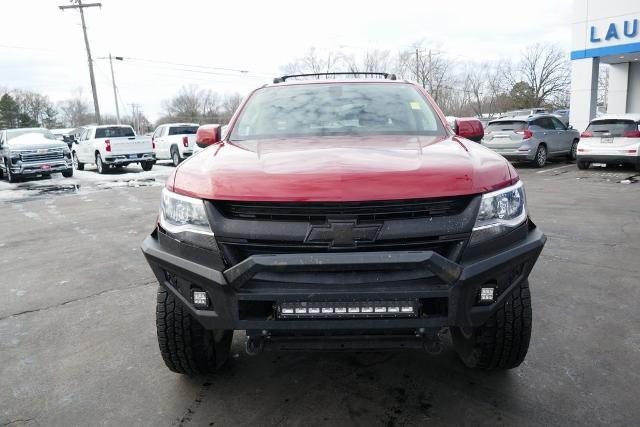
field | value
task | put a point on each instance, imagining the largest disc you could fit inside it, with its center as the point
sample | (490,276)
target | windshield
(612,127)
(183,130)
(336,109)
(114,132)
(506,125)
(19,132)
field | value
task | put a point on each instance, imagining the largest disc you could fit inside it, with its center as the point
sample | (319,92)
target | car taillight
(526,134)
(153,143)
(632,134)
(586,134)
(107,144)
(185,141)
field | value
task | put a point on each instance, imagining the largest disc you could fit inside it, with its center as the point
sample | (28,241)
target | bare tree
(313,61)
(427,67)
(372,61)
(229,106)
(75,110)
(545,68)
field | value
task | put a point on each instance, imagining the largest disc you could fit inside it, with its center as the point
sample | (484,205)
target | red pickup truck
(342,213)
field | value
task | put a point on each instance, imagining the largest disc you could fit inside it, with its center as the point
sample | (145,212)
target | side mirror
(570,127)
(208,135)
(470,129)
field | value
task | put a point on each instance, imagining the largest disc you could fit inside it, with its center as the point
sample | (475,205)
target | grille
(320,212)
(48,156)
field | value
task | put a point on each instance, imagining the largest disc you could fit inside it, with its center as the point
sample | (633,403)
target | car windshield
(114,132)
(19,132)
(612,127)
(336,109)
(506,125)
(183,130)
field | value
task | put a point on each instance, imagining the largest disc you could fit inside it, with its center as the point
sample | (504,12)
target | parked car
(112,145)
(563,115)
(33,151)
(531,138)
(174,141)
(467,127)
(612,139)
(64,135)
(342,214)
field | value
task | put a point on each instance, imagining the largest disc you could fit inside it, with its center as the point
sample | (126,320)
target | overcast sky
(41,47)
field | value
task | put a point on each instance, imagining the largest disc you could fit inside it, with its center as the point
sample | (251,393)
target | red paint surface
(343,169)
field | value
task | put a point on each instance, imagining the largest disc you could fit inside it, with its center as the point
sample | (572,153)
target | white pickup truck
(175,141)
(112,145)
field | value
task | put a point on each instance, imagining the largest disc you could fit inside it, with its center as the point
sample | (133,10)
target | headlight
(500,212)
(184,218)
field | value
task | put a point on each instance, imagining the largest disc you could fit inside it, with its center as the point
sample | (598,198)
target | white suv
(612,139)
(174,141)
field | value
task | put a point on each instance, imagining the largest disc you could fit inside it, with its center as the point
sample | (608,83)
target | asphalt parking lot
(78,344)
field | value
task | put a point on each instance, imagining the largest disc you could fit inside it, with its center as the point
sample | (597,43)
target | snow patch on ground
(83,182)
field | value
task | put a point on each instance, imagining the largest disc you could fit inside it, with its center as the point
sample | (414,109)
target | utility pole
(115,91)
(80,7)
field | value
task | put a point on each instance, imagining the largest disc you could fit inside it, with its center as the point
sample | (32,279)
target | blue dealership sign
(626,31)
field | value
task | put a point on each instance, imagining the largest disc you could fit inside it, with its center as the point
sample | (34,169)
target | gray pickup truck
(33,151)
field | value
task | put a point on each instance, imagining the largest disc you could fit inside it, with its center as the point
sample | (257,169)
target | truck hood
(342,169)
(33,141)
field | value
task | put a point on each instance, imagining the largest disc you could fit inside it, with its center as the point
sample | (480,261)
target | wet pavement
(78,343)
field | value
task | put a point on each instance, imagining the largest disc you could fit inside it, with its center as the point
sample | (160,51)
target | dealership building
(605,32)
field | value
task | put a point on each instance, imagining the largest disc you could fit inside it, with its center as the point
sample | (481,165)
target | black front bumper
(240,300)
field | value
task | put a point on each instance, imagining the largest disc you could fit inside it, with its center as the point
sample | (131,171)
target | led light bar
(343,309)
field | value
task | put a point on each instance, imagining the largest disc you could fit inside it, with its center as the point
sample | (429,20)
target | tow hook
(431,340)
(255,344)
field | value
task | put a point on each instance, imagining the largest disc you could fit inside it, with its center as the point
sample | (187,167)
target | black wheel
(502,342)
(186,346)
(68,173)
(77,164)
(541,157)
(102,168)
(583,165)
(11,177)
(573,154)
(175,156)
(146,166)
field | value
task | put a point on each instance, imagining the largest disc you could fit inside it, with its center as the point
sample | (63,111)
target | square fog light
(486,294)
(199,298)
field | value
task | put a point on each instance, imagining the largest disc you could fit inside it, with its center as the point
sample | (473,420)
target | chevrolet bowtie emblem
(342,233)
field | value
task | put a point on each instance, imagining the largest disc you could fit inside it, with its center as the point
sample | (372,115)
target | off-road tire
(146,166)
(68,173)
(541,157)
(175,156)
(186,346)
(100,165)
(583,164)
(79,165)
(502,342)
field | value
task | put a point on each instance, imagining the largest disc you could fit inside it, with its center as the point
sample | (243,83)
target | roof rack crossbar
(364,74)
